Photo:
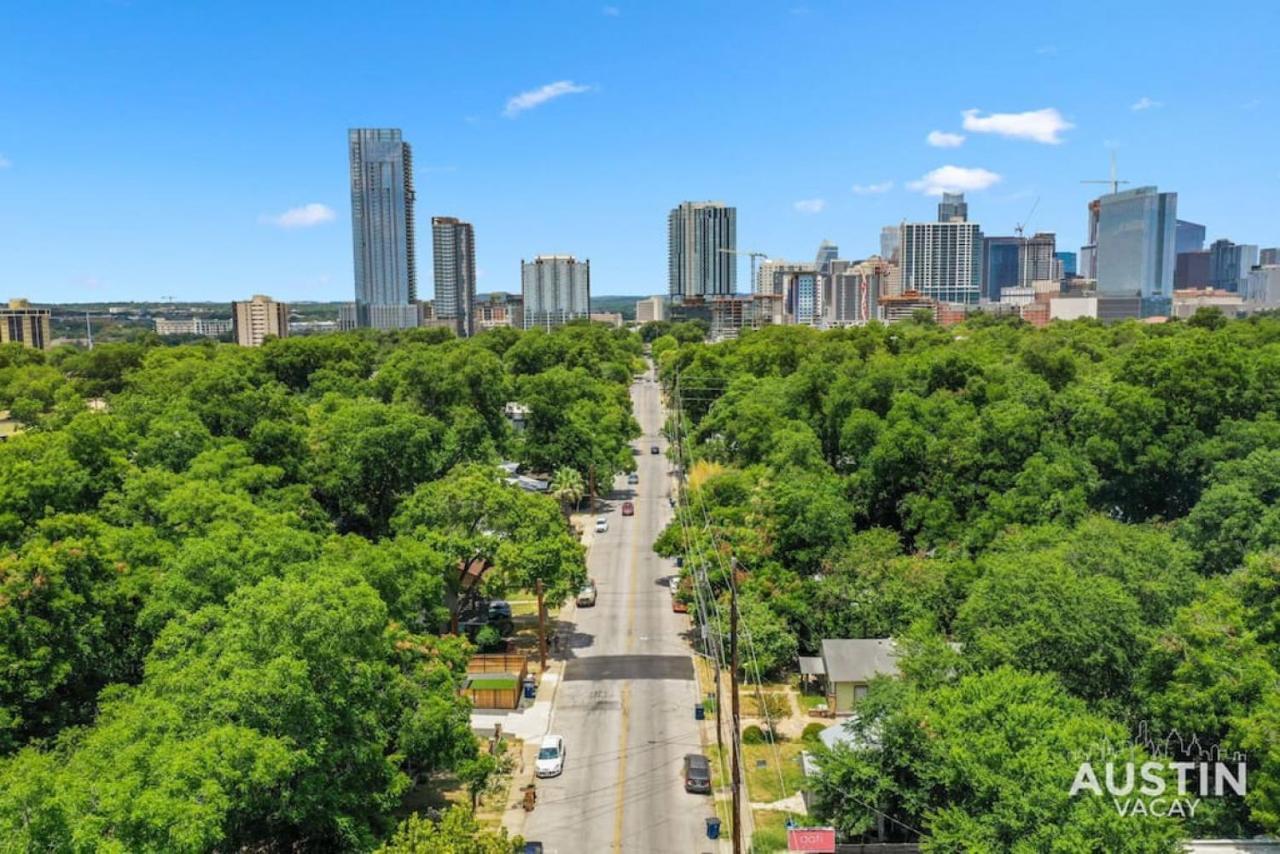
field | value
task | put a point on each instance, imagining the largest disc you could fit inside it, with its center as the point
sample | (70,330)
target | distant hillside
(626,306)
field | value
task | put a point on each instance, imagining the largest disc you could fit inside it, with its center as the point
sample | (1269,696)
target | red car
(628,509)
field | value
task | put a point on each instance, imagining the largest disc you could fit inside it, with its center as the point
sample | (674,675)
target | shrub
(752,734)
(489,639)
(812,731)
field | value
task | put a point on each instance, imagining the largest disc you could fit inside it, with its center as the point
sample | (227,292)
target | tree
(984,764)
(475,518)
(456,832)
(287,716)
(367,456)
(567,488)
(1038,613)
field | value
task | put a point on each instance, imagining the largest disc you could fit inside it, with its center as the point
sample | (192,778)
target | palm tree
(568,488)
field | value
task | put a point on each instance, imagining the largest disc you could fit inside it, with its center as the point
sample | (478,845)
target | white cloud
(1047,50)
(1145,103)
(537,97)
(611,11)
(1036,125)
(942,139)
(5,162)
(872,189)
(810,206)
(954,179)
(300,217)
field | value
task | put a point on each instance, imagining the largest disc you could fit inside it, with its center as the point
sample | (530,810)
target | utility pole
(733,699)
(88,328)
(542,630)
(592,474)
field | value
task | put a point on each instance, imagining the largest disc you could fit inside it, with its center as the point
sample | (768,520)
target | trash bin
(530,688)
(699,713)
(533,848)
(713,828)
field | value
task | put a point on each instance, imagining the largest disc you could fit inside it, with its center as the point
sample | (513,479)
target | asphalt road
(625,705)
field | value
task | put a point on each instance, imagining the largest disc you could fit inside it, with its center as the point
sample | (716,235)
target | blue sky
(149,148)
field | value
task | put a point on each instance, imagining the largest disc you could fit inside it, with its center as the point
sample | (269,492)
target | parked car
(653,449)
(697,774)
(633,478)
(587,595)
(602,524)
(674,583)
(550,756)
(628,509)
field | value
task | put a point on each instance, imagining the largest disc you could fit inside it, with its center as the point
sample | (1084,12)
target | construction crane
(1113,180)
(1026,220)
(1018,229)
(755,256)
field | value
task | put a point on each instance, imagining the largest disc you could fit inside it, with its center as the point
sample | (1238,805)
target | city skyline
(189,196)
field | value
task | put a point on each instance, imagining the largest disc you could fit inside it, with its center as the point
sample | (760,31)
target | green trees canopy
(1086,510)
(212,634)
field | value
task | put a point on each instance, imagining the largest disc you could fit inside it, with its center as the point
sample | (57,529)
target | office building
(258,317)
(894,309)
(499,309)
(1001,265)
(1268,257)
(1187,302)
(889,243)
(827,252)
(1073,307)
(953,208)
(382,236)
(801,296)
(556,289)
(1188,237)
(852,295)
(1262,289)
(1038,259)
(696,266)
(772,277)
(942,261)
(23,324)
(453,249)
(209,327)
(651,309)
(1089,252)
(1135,248)
(1230,263)
(1068,261)
(1191,270)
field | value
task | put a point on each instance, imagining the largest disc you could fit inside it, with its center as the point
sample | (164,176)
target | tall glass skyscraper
(1001,265)
(1136,231)
(953,208)
(1230,263)
(827,252)
(696,232)
(382,228)
(1188,237)
(454,253)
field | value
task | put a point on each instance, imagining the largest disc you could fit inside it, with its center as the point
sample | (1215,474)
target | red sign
(812,840)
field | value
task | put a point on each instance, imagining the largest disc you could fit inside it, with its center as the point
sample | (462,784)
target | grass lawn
(779,707)
(762,781)
(809,702)
(771,830)
(443,790)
